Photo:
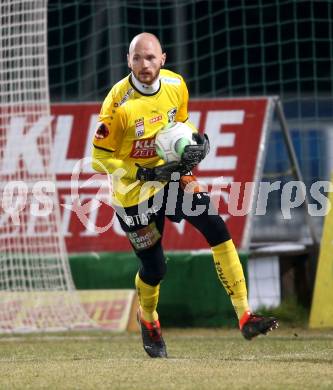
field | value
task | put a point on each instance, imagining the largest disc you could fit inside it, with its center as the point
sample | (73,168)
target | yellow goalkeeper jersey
(129,121)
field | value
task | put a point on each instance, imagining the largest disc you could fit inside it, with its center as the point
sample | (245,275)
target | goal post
(36,288)
(321,315)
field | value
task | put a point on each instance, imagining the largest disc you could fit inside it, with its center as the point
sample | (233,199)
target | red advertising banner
(236,128)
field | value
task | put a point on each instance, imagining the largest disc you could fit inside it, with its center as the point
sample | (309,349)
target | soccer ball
(171,140)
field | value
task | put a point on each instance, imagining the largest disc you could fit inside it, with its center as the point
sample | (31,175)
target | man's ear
(128,61)
(163,59)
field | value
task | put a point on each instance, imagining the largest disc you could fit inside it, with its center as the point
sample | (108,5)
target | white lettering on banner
(63,133)
(23,145)
(230,123)
(215,120)
(194,117)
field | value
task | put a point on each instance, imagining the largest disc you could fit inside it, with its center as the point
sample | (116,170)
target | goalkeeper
(131,115)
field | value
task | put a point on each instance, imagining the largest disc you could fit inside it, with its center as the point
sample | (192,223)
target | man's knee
(152,276)
(212,227)
(153,265)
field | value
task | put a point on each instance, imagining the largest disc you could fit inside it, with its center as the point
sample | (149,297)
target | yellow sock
(148,299)
(230,273)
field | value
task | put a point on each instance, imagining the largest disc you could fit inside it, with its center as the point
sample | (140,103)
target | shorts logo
(145,237)
(141,219)
(139,127)
(102,132)
(172,114)
(156,119)
(143,148)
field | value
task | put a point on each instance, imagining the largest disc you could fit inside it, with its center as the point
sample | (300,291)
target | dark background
(221,47)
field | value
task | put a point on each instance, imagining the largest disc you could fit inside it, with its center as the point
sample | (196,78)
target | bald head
(145,39)
(145,57)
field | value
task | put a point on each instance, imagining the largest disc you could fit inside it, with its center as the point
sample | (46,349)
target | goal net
(36,288)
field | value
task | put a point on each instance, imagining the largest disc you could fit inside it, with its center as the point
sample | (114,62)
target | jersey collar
(145,89)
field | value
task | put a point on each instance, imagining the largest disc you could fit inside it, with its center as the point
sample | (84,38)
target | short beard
(152,81)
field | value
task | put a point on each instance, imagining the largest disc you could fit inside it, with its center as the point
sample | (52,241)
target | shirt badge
(155,119)
(139,127)
(172,114)
(102,132)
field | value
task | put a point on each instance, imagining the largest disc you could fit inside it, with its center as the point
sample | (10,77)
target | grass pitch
(198,359)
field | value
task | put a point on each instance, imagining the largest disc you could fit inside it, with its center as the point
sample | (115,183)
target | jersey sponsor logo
(102,132)
(171,80)
(156,119)
(139,127)
(172,114)
(126,97)
(143,148)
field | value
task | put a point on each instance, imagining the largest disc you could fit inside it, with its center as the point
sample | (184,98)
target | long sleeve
(108,139)
(103,160)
